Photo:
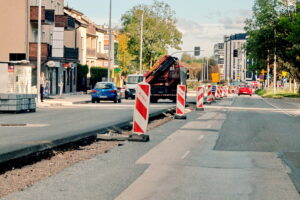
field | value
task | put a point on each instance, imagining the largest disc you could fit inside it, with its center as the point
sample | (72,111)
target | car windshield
(103,86)
(134,79)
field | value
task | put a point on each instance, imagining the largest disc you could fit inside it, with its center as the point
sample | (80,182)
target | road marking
(277,108)
(185,155)
(209,126)
(200,137)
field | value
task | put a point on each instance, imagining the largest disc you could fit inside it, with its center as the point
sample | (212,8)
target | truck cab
(132,81)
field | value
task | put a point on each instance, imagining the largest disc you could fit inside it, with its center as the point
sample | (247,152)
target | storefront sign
(11,68)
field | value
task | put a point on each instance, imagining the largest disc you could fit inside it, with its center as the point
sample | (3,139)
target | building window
(99,48)
(43,37)
(17,56)
(58,8)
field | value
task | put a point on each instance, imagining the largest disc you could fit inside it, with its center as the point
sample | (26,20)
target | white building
(235,65)
(219,58)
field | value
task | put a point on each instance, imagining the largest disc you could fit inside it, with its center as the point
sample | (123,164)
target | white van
(132,81)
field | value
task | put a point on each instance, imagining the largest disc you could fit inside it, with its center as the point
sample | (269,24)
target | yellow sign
(284,73)
(263,72)
(215,77)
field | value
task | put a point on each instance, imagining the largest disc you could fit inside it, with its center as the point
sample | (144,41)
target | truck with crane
(164,77)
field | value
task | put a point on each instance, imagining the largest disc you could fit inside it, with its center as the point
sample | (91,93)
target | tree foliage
(274,29)
(124,57)
(160,31)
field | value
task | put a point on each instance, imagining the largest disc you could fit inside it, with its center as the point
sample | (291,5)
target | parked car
(245,89)
(106,91)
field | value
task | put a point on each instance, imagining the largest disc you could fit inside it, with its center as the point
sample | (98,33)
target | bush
(82,71)
(98,74)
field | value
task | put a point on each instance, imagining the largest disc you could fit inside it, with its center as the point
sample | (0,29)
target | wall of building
(13,28)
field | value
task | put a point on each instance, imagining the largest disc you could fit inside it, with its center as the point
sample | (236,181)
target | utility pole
(207,69)
(110,43)
(275,68)
(268,71)
(141,43)
(38,67)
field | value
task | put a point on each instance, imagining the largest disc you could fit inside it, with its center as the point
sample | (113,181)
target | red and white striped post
(200,98)
(141,113)
(180,106)
(210,96)
(217,93)
(225,91)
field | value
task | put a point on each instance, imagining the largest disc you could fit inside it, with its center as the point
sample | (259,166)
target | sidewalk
(67,100)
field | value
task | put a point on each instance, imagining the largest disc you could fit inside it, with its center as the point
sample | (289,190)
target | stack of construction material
(17,102)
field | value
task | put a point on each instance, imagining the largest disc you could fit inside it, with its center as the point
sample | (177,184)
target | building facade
(19,41)
(235,60)
(219,58)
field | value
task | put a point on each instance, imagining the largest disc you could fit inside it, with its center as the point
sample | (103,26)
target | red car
(245,90)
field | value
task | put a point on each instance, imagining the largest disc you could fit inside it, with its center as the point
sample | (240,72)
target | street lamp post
(110,42)
(141,43)
(38,69)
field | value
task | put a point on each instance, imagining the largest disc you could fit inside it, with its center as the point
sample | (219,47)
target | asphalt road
(57,125)
(199,158)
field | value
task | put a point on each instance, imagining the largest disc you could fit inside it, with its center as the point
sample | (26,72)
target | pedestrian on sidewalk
(42,86)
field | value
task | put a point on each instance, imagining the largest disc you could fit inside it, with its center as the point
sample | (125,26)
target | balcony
(60,21)
(64,21)
(102,56)
(34,14)
(71,53)
(33,51)
(91,52)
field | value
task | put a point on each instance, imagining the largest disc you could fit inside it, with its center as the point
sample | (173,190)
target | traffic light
(197,51)
(235,53)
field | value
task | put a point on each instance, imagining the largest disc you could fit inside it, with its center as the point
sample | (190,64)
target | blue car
(106,91)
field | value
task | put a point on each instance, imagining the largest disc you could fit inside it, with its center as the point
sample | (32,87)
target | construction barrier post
(210,96)
(200,98)
(141,113)
(180,106)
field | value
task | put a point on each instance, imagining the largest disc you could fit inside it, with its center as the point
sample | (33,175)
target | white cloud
(206,35)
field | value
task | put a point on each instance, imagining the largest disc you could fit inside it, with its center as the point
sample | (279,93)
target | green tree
(160,31)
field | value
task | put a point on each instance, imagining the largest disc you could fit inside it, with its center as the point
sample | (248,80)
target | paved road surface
(58,123)
(195,159)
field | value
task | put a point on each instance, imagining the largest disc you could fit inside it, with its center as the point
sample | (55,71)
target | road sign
(284,73)
(215,77)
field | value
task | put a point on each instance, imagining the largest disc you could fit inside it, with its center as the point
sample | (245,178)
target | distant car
(132,81)
(245,90)
(106,91)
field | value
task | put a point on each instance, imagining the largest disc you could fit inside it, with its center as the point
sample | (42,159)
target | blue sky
(202,22)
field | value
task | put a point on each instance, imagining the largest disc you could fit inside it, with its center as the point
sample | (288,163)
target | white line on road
(279,109)
(185,155)
(200,137)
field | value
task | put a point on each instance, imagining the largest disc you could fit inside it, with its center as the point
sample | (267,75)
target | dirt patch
(59,159)
(19,179)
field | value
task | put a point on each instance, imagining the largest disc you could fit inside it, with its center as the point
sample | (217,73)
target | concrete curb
(22,152)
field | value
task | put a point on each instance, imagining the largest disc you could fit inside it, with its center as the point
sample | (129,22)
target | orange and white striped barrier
(200,98)
(141,113)
(180,106)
